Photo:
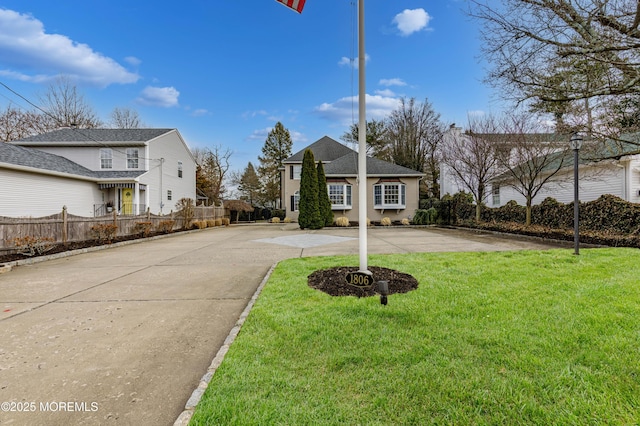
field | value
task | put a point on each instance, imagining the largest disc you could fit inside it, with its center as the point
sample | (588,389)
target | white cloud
(386,93)
(344,109)
(262,134)
(392,82)
(28,53)
(347,62)
(132,60)
(200,112)
(159,96)
(252,114)
(411,21)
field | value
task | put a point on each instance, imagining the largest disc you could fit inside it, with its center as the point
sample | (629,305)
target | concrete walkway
(122,336)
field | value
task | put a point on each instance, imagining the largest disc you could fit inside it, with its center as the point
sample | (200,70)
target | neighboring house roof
(340,160)
(39,160)
(592,152)
(93,137)
(36,159)
(614,149)
(324,149)
(237,205)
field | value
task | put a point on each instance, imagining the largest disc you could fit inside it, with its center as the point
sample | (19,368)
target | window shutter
(293,202)
(291,177)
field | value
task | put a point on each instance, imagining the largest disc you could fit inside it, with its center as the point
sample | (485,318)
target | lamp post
(576,144)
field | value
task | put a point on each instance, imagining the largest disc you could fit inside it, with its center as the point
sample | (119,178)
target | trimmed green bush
(324,203)
(309,208)
(425,217)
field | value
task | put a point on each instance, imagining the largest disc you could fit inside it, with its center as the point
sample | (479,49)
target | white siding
(172,148)
(25,194)
(594,182)
(89,157)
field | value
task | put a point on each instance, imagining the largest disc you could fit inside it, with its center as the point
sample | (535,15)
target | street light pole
(576,144)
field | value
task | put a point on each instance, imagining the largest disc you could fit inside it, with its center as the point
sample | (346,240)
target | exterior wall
(291,186)
(25,194)
(172,149)
(594,181)
(89,156)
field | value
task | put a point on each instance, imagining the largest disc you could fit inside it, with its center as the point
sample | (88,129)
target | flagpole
(362,143)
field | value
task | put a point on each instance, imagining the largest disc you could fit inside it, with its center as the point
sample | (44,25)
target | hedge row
(608,214)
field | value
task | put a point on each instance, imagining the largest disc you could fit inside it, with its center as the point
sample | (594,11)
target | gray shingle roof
(347,165)
(340,160)
(34,158)
(92,137)
(324,149)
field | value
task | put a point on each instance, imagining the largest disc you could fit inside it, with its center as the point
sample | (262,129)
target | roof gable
(324,149)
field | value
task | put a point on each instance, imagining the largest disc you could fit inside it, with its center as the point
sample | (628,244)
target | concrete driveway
(122,336)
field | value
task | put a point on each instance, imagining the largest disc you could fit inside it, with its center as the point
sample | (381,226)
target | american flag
(296,5)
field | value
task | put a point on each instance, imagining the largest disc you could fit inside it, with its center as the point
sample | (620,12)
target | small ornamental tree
(309,216)
(324,203)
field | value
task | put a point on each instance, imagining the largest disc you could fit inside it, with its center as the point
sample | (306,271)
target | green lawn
(527,337)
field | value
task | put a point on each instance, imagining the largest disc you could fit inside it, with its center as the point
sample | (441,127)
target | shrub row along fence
(65,228)
(608,213)
(608,220)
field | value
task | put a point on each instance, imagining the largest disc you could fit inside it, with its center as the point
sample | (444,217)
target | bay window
(389,195)
(340,196)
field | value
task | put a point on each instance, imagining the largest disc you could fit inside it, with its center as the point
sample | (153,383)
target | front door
(127,201)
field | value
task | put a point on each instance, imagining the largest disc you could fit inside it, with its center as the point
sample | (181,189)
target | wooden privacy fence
(63,227)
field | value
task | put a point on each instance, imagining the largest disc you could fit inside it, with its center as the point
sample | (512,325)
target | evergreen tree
(324,203)
(249,185)
(309,216)
(276,149)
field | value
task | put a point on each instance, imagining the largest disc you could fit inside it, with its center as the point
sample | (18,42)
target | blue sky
(223,72)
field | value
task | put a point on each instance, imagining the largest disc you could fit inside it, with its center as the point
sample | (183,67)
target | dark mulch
(75,245)
(333,281)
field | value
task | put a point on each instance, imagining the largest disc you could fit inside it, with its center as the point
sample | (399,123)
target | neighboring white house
(610,168)
(392,190)
(88,169)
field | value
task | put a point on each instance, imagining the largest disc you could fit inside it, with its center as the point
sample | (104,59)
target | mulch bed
(333,281)
(75,245)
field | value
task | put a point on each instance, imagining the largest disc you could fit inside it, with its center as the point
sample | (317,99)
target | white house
(611,168)
(86,170)
(392,190)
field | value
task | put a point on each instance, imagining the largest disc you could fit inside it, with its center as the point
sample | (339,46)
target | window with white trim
(169,195)
(295,172)
(106,158)
(132,158)
(495,192)
(340,196)
(390,196)
(295,201)
(179,169)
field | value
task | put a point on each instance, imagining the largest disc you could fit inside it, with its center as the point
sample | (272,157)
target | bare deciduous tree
(65,106)
(559,52)
(532,159)
(213,165)
(471,157)
(413,133)
(17,124)
(125,118)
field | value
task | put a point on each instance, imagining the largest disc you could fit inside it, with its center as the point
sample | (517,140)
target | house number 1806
(359,279)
